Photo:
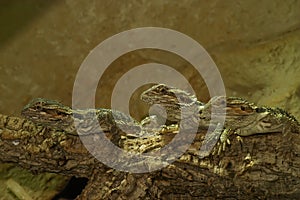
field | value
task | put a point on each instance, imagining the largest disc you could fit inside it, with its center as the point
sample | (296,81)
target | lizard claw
(223,141)
(239,138)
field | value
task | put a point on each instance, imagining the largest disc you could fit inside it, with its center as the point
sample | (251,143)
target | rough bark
(263,166)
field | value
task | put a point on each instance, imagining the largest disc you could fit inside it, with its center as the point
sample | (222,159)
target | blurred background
(255,44)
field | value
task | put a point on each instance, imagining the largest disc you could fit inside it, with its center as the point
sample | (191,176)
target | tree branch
(264,166)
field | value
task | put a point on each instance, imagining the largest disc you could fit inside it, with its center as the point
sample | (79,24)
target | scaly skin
(53,114)
(242,117)
(178,103)
(32,146)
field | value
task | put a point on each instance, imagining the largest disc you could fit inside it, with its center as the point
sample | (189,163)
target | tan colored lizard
(33,147)
(55,115)
(242,117)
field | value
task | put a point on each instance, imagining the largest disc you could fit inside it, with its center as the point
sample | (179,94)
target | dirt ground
(255,44)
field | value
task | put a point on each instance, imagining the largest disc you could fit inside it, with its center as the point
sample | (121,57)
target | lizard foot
(223,141)
(239,138)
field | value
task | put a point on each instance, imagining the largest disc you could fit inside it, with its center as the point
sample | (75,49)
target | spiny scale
(242,117)
(55,115)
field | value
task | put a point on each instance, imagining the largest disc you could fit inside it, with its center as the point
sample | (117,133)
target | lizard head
(172,99)
(248,119)
(46,112)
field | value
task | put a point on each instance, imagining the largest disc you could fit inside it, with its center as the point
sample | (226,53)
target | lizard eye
(38,107)
(163,90)
(223,102)
(243,108)
(58,112)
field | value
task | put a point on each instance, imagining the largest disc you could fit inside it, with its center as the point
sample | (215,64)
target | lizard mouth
(268,127)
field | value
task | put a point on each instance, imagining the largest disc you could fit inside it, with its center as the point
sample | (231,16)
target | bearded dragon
(243,118)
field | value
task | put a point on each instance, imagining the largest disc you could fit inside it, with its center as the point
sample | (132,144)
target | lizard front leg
(215,142)
(223,141)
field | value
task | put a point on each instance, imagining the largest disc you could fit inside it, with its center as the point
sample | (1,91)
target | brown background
(255,44)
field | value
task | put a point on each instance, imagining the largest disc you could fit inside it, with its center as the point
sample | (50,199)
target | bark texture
(263,166)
